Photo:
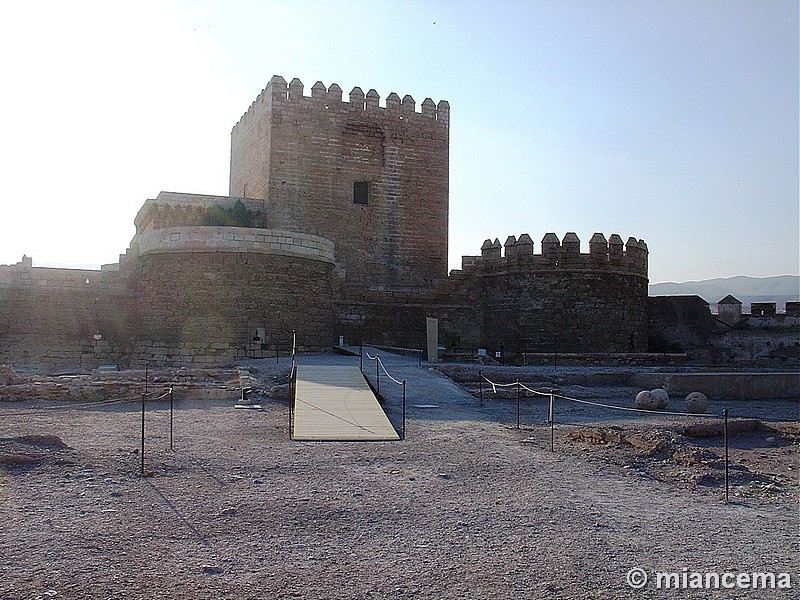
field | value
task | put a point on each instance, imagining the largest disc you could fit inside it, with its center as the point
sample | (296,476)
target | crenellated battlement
(608,255)
(330,99)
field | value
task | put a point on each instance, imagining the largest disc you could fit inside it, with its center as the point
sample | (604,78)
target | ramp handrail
(379,366)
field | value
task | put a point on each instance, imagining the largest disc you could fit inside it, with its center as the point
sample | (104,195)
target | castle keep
(336,224)
(372,180)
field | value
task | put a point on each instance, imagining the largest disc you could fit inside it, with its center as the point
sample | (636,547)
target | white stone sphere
(696,403)
(644,400)
(660,398)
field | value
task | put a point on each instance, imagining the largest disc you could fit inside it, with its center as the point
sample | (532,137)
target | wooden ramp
(336,404)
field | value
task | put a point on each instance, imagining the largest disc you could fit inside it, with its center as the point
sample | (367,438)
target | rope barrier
(524,387)
(162,396)
(95,403)
(382,366)
(600,404)
(641,410)
(379,365)
(497,385)
(551,416)
(380,362)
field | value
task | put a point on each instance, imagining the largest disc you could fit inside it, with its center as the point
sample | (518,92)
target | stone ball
(660,398)
(644,400)
(8,376)
(696,403)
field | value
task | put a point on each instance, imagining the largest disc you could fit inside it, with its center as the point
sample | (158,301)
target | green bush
(236,216)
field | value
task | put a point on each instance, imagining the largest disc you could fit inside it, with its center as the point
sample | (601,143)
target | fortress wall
(397,318)
(203,300)
(250,148)
(320,146)
(64,318)
(351,201)
(519,301)
(565,312)
(402,324)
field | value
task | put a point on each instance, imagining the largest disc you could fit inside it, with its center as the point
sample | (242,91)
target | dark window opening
(361,192)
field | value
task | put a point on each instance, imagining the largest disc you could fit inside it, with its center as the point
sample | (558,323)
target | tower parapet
(560,255)
(330,98)
(560,299)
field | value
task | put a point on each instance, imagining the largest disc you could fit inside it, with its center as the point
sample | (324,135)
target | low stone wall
(233,239)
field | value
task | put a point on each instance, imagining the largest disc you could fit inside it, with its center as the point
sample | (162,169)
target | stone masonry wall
(304,155)
(205,292)
(559,300)
(398,318)
(565,312)
(64,318)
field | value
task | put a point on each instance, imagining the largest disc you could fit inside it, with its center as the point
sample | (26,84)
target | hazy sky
(671,121)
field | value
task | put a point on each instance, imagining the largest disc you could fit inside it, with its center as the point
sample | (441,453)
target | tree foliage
(236,216)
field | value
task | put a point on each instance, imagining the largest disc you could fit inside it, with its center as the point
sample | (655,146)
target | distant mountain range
(779,289)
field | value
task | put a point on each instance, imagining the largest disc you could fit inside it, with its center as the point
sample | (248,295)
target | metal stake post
(378,373)
(146,375)
(171,410)
(518,390)
(419,354)
(480,384)
(404,409)
(550,416)
(725,430)
(361,356)
(292,393)
(142,450)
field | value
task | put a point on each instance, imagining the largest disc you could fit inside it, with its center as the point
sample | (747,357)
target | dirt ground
(467,506)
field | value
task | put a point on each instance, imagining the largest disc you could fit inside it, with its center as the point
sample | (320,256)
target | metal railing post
(518,394)
(725,432)
(404,409)
(552,420)
(142,449)
(292,396)
(171,412)
(361,356)
(480,384)
(378,373)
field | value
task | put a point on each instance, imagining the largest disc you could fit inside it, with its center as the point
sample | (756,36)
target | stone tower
(372,179)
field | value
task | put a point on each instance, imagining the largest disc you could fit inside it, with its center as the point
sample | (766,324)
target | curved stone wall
(205,293)
(251,240)
(559,300)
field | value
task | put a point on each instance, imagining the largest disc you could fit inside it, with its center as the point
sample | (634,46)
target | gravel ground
(468,506)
